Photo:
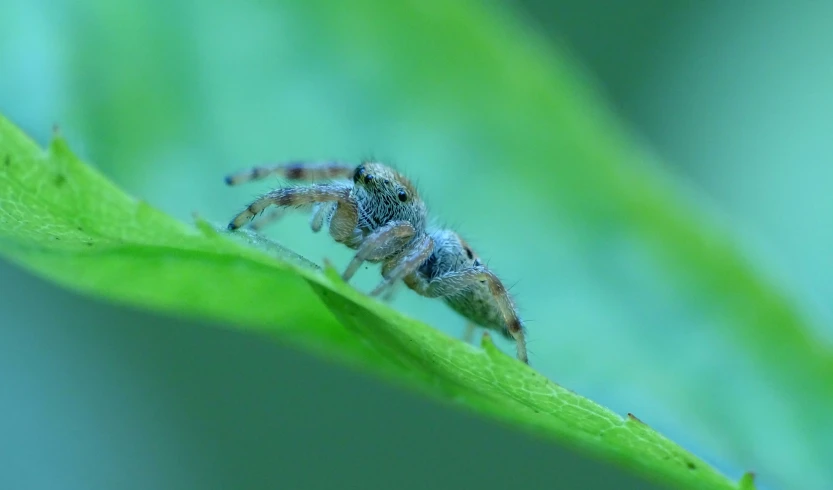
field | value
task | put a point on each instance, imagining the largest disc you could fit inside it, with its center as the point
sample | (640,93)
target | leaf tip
(488,345)
(747,481)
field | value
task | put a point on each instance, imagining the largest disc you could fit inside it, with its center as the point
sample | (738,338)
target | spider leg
(404,263)
(267,220)
(344,220)
(457,282)
(293,171)
(391,292)
(384,242)
(319,214)
(468,335)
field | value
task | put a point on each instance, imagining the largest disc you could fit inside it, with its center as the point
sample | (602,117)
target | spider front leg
(319,214)
(404,264)
(386,241)
(267,220)
(345,219)
(293,171)
(459,282)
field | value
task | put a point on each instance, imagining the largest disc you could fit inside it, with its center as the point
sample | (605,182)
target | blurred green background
(166,98)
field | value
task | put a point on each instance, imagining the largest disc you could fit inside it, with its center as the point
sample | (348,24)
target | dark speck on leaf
(89,244)
(7,161)
(691,465)
(60,180)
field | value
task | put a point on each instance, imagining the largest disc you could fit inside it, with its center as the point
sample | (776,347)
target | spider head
(384,183)
(386,195)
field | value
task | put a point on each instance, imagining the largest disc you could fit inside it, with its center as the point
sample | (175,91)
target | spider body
(456,274)
(379,213)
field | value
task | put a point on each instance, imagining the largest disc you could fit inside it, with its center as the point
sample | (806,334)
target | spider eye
(358,173)
(403,196)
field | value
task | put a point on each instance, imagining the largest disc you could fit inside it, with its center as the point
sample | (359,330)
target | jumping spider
(380,215)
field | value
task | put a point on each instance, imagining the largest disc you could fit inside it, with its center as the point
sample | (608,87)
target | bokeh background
(733,100)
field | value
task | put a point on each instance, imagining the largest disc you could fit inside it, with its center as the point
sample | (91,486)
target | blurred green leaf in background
(693,295)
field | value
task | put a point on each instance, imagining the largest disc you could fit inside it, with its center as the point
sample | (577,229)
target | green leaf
(68,223)
(629,288)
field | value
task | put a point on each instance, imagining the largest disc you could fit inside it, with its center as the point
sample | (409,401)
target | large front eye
(403,196)
(358,173)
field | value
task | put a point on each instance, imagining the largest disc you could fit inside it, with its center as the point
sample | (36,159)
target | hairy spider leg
(344,221)
(302,170)
(319,215)
(404,264)
(384,242)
